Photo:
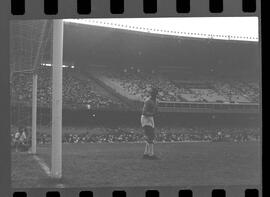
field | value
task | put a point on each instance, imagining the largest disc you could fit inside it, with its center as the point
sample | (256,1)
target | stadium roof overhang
(89,45)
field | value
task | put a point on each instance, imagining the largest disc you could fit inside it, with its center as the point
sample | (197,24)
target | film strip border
(38,9)
(132,8)
(118,6)
(143,192)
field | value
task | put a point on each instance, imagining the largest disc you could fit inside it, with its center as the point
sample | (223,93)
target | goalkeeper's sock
(146,150)
(151,149)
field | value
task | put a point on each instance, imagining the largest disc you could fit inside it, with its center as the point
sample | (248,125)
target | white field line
(43,165)
(47,170)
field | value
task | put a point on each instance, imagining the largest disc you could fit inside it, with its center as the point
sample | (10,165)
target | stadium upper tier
(110,89)
(86,45)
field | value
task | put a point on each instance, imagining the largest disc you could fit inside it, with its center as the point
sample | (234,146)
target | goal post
(34,115)
(34,46)
(34,91)
(57,66)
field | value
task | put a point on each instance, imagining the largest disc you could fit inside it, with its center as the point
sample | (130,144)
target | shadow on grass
(55,182)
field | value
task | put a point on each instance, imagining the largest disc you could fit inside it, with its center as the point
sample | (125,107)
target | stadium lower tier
(22,117)
(135,135)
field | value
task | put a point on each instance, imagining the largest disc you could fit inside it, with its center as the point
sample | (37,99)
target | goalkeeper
(147,121)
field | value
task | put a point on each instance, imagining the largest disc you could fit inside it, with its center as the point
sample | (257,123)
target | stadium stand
(81,89)
(133,134)
(77,91)
(134,85)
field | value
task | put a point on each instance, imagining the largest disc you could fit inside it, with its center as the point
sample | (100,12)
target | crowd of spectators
(249,90)
(136,83)
(232,93)
(204,95)
(82,91)
(77,92)
(20,88)
(135,135)
(44,89)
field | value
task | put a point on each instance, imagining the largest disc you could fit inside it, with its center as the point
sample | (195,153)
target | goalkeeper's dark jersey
(149,107)
(148,113)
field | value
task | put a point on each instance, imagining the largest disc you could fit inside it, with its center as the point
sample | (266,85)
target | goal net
(30,57)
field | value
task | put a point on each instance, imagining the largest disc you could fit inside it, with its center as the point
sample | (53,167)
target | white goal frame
(57,72)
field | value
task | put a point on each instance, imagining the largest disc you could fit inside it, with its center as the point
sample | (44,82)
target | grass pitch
(119,165)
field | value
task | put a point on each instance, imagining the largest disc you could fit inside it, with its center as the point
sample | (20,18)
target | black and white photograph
(135,102)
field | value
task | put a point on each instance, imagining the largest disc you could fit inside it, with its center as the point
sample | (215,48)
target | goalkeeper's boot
(153,157)
(146,156)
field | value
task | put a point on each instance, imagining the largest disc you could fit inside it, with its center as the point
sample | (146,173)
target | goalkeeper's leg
(147,145)
(151,144)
